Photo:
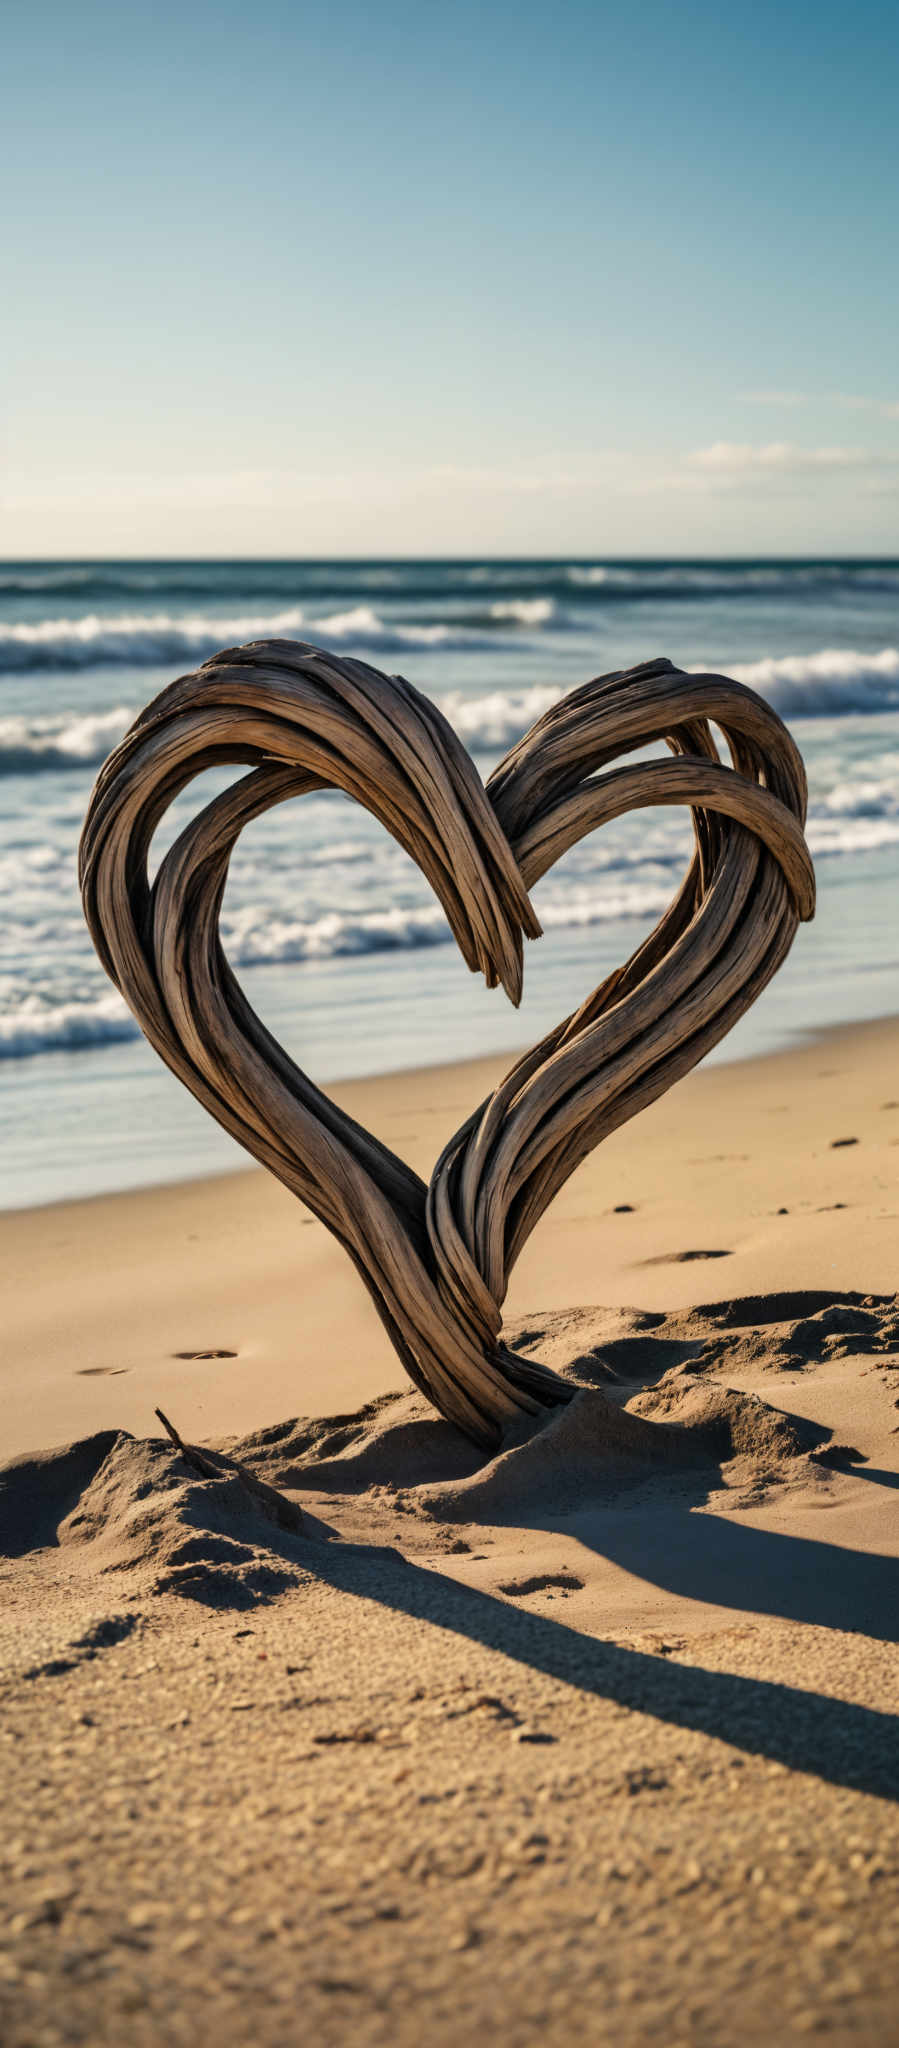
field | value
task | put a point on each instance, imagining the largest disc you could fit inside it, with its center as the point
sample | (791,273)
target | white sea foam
(44,1020)
(867,798)
(135,639)
(611,906)
(254,937)
(65,739)
(342,852)
(836,682)
(501,718)
(37,1025)
(153,639)
(52,999)
(71,739)
(850,835)
(523,611)
(363,626)
(26,869)
(699,580)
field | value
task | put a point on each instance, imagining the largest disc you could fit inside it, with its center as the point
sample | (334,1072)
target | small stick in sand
(204,1466)
(273,1504)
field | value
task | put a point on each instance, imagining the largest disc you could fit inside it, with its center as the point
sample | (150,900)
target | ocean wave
(500,718)
(828,836)
(697,580)
(836,683)
(38,1026)
(130,639)
(74,740)
(42,1023)
(363,626)
(867,798)
(33,869)
(254,939)
(340,853)
(60,740)
(211,582)
(49,1003)
(243,584)
(523,611)
(157,639)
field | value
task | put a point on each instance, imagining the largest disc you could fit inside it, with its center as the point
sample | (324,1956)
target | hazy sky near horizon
(305,279)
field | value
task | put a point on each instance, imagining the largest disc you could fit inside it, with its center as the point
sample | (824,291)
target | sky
(498,278)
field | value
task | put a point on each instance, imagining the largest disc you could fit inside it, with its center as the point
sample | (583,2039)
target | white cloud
(773,397)
(847,401)
(779,468)
(784,458)
(241,488)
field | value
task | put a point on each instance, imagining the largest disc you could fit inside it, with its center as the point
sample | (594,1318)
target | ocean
(337,939)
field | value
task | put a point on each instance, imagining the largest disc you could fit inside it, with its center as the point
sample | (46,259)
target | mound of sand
(113,1504)
(772,1333)
(652,1419)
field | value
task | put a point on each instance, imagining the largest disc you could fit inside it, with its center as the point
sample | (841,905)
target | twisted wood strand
(436,1259)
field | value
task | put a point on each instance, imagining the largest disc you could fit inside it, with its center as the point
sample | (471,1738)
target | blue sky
(305,279)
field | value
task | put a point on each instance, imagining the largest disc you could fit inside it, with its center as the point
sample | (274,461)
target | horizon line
(599,558)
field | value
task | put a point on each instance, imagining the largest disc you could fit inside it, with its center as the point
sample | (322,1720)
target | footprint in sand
(100,1372)
(213,1352)
(540,1582)
(683,1258)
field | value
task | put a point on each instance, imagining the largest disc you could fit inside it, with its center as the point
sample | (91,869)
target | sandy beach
(594,1741)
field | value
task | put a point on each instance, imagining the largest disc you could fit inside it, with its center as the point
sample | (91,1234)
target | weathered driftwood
(436,1259)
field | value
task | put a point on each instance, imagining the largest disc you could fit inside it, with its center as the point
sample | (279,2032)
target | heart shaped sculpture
(436,1259)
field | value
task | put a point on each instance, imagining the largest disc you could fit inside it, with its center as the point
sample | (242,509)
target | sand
(594,1741)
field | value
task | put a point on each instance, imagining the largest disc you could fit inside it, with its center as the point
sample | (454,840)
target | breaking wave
(65,739)
(252,938)
(837,682)
(155,639)
(37,1026)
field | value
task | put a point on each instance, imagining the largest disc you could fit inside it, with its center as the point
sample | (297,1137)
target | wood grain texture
(436,1259)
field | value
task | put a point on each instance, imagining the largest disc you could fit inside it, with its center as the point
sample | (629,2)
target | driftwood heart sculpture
(436,1259)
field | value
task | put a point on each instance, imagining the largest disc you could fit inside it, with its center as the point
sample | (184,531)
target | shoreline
(491,1066)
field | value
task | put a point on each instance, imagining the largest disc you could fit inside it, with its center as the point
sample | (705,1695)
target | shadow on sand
(806,1731)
